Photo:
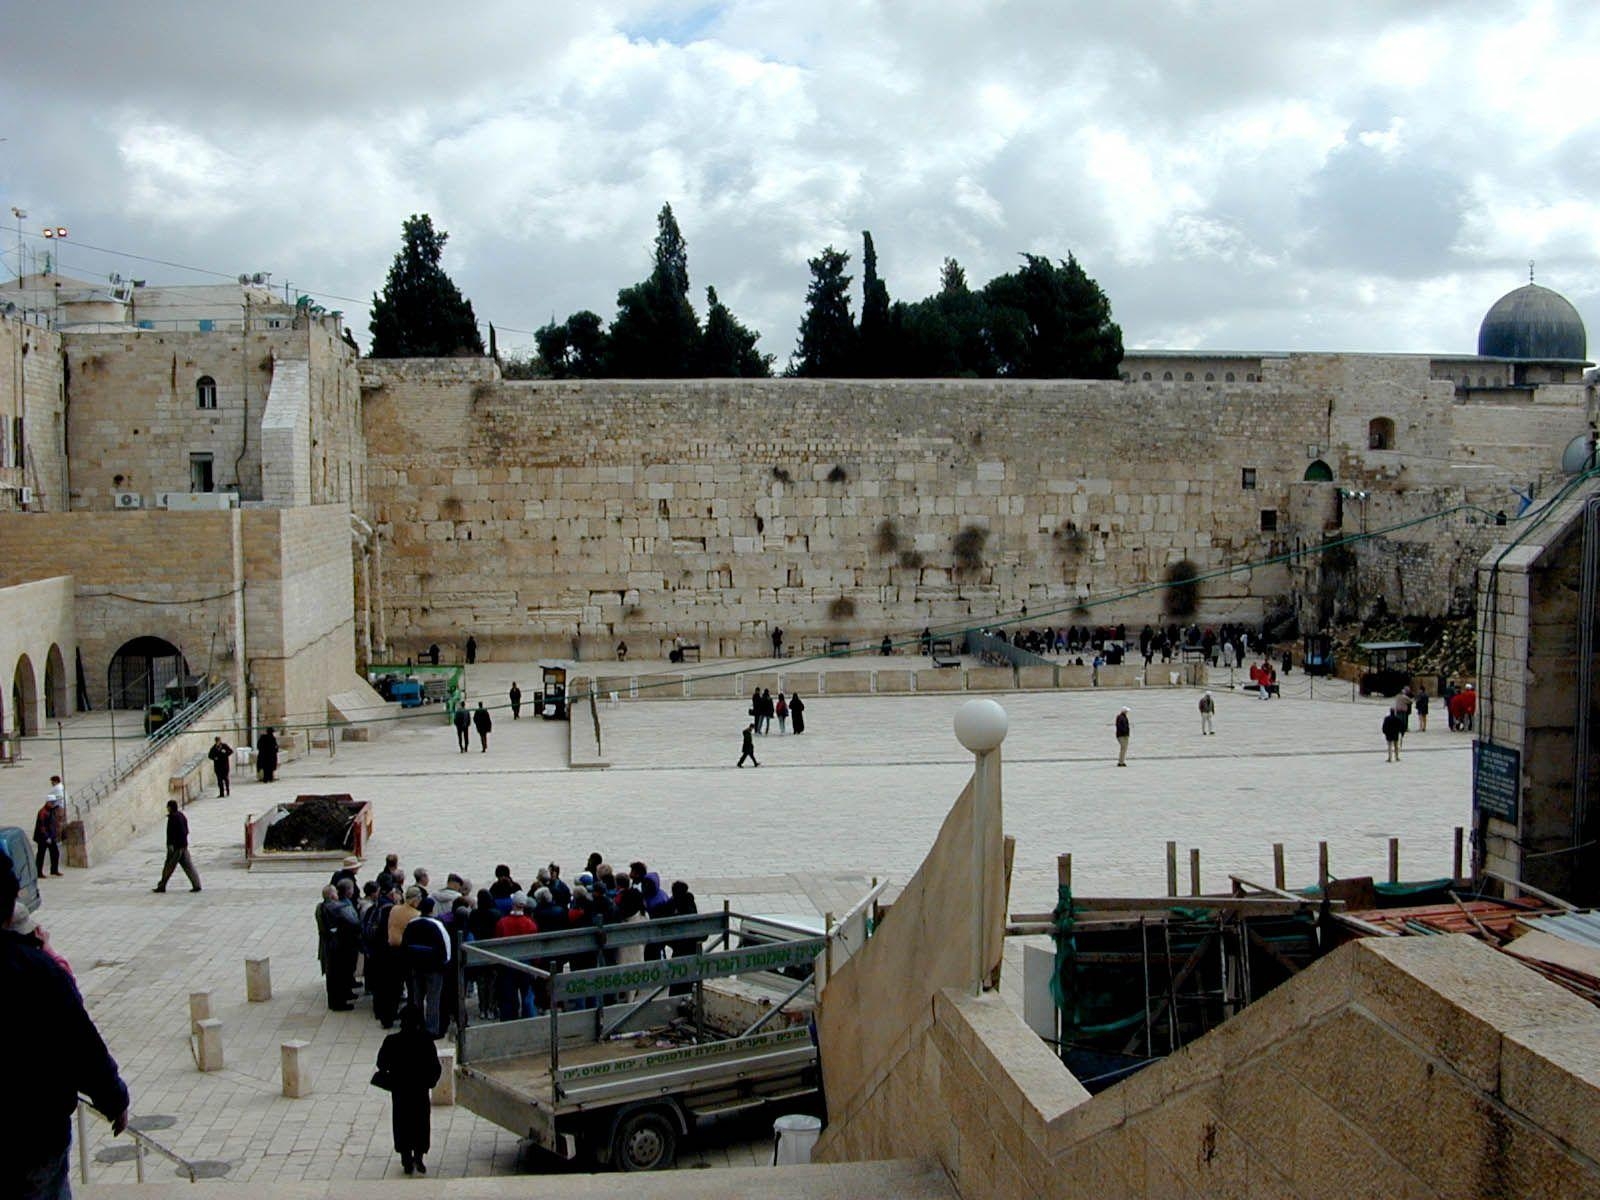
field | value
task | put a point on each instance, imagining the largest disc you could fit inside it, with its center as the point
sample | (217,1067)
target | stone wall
(135,416)
(37,644)
(1533,699)
(30,391)
(1425,1067)
(545,514)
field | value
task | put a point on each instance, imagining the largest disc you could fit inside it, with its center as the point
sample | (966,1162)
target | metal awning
(1382,646)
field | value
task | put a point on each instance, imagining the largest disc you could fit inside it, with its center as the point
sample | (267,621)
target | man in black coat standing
(55,1052)
(267,755)
(463,723)
(221,756)
(483,723)
(516,700)
(177,850)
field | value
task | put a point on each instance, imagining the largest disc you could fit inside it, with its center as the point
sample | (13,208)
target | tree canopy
(420,312)
(656,333)
(827,345)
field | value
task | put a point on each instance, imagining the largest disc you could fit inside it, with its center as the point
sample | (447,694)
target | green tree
(573,349)
(827,346)
(1049,321)
(655,333)
(875,348)
(420,312)
(944,335)
(728,349)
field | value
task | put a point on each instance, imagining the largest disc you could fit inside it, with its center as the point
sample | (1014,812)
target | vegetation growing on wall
(968,549)
(1182,595)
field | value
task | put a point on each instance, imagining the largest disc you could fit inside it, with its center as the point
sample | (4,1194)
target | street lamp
(981,727)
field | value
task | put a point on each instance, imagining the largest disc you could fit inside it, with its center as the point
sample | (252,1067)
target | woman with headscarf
(797,713)
(409,1065)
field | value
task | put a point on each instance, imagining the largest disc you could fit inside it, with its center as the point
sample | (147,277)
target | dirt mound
(315,823)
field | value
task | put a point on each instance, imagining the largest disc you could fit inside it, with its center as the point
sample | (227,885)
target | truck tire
(646,1140)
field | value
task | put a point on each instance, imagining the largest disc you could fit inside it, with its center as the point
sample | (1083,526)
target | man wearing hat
(347,870)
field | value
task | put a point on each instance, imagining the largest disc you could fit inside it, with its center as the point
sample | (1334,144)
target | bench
(940,646)
(188,781)
(690,648)
(943,663)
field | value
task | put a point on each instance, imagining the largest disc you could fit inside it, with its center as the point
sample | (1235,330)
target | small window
(1247,479)
(1166,377)
(1249,378)
(1147,376)
(200,478)
(1188,376)
(1228,378)
(1269,520)
(205,392)
(1211,377)
(207,325)
(1482,382)
(1380,434)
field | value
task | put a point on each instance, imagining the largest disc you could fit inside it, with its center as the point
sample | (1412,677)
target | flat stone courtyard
(860,795)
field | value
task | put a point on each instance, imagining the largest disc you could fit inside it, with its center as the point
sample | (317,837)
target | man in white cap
(1124,730)
(1208,708)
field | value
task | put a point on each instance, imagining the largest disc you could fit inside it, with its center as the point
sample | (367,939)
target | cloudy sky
(1245,174)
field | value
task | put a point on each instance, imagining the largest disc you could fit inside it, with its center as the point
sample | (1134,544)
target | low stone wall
(95,833)
(737,685)
(1426,1067)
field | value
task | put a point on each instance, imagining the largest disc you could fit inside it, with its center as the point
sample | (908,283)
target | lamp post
(980,726)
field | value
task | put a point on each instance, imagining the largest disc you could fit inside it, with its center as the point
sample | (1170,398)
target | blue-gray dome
(1533,323)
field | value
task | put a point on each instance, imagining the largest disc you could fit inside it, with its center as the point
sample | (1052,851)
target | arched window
(1147,377)
(1319,472)
(1250,378)
(1211,377)
(1166,376)
(1228,378)
(1380,434)
(1482,382)
(1188,376)
(205,392)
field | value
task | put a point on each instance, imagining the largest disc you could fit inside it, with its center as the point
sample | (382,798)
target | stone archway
(57,700)
(1319,472)
(25,697)
(140,671)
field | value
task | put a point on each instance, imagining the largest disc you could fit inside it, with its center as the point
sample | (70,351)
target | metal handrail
(141,1140)
(97,789)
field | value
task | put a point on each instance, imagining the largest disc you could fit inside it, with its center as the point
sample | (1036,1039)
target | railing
(991,649)
(97,789)
(143,1143)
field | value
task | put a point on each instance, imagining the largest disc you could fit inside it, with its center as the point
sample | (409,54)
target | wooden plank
(1178,981)
(1532,891)
(1254,905)
(1272,952)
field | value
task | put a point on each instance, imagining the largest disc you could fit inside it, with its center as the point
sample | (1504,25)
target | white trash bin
(793,1137)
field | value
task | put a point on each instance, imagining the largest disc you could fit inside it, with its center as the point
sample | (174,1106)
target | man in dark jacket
(483,723)
(463,723)
(221,756)
(516,700)
(56,1052)
(425,949)
(338,944)
(177,850)
(267,755)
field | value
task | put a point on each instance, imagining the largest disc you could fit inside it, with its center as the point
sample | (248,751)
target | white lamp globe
(981,725)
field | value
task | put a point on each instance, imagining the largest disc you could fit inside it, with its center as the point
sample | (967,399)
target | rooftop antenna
(1530,270)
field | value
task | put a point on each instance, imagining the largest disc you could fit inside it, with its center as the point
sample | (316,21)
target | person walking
(749,749)
(515,695)
(54,1052)
(781,708)
(483,723)
(408,1068)
(1392,728)
(1208,709)
(777,642)
(1421,707)
(472,649)
(221,756)
(1124,729)
(47,826)
(797,712)
(463,723)
(177,850)
(267,755)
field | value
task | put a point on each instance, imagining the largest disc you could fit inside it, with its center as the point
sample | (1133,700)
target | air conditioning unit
(126,500)
(25,494)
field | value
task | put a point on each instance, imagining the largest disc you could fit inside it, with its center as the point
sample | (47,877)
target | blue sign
(1496,780)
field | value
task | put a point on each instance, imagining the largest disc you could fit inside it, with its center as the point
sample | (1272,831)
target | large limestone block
(848,683)
(895,681)
(936,679)
(990,679)
(1036,677)
(799,681)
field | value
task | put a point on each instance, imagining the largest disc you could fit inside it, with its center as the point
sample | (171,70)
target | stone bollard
(296,1073)
(444,1092)
(209,1044)
(258,980)
(199,1009)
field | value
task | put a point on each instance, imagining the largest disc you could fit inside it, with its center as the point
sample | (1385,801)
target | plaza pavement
(861,794)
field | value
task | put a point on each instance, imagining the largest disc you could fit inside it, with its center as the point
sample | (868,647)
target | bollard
(199,1009)
(1172,868)
(1394,860)
(258,980)
(1194,871)
(444,1092)
(208,1044)
(1277,865)
(296,1073)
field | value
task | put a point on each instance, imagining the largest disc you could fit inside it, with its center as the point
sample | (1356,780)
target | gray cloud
(1362,176)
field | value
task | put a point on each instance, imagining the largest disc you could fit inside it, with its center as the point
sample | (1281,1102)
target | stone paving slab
(859,795)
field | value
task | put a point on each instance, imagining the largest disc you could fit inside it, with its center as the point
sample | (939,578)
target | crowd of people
(402,934)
